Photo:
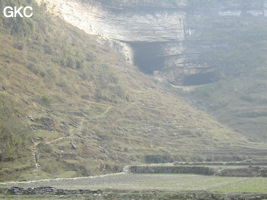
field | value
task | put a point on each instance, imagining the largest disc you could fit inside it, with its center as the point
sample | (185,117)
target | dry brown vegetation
(84,111)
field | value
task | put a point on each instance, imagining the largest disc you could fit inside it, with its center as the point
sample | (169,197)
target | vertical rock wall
(150,34)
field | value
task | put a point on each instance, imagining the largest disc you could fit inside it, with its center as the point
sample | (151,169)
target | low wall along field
(233,171)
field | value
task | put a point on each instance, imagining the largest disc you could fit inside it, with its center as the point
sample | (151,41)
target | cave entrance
(148,56)
(200,79)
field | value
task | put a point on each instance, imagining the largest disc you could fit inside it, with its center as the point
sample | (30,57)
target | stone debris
(73,146)
(49,190)
(30,117)
(200,195)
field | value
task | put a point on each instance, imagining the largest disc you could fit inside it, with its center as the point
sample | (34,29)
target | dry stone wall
(237,171)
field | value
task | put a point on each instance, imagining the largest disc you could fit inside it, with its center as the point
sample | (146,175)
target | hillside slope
(71,107)
(234,48)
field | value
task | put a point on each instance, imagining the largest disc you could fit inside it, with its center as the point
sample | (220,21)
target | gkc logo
(11,12)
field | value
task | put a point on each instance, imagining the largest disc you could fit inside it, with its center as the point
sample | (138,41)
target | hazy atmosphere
(141,99)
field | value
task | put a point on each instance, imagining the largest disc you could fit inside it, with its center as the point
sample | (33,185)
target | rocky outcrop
(124,29)
(130,25)
(151,33)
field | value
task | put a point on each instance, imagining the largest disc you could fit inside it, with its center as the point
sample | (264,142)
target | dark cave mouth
(150,57)
(200,79)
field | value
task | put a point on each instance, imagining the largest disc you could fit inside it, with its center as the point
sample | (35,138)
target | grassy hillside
(71,107)
(235,48)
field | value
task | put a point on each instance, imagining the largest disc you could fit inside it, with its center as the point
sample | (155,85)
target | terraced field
(162,182)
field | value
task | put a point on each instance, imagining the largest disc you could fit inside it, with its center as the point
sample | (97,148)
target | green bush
(45,100)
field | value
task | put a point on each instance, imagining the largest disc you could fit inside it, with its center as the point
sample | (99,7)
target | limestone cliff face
(149,33)
(121,25)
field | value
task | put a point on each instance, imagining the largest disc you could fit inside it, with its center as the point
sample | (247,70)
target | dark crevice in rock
(148,56)
(200,79)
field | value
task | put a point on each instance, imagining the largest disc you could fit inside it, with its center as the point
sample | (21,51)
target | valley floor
(147,186)
(146,182)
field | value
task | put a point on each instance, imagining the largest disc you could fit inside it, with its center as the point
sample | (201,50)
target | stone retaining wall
(108,195)
(262,163)
(202,170)
(171,169)
(49,190)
